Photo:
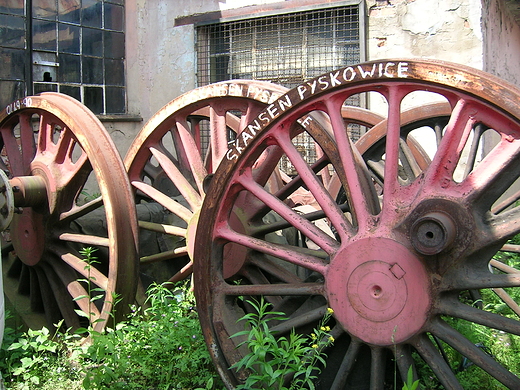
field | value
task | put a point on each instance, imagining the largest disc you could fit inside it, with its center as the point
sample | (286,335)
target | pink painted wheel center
(379,291)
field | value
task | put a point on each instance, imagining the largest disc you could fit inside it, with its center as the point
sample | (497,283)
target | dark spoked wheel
(401,258)
(71,193)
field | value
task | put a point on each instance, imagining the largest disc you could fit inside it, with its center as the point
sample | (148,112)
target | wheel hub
(379,291)
(28,236)
(27,229)
(433,233)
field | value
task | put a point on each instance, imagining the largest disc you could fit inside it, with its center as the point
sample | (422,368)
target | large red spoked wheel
(400,256)
(172,156)
(71,193)
(179,147)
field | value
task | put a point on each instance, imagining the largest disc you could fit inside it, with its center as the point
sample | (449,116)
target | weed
(93,293)
(36,359)
(410,384)
(273,361)
(160,348)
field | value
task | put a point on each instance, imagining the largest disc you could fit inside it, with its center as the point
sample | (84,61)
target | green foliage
(273,361)
(160,348)
(36,359)
(88,197)
(410,384)
(93,293)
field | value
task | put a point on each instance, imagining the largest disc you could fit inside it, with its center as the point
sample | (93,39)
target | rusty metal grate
(285,49)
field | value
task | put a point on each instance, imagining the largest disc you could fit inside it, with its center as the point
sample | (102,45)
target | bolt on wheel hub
(433,233)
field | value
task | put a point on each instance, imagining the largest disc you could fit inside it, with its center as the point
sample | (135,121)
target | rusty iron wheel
(170,162)
(171,159)
(71,192)
(398,258)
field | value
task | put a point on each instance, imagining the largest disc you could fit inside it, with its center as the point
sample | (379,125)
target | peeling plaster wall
(160,60)
(447,30)
(441,29)
(501,41)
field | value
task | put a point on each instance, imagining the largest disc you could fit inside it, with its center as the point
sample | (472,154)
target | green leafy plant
(410,384)
(160,347)
(36,359)
(283,363)
(88,197)
(93,293)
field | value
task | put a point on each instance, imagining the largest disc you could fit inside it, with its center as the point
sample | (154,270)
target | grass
(162,348)
(159,348)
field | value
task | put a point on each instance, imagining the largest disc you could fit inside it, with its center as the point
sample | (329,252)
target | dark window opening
(77,49)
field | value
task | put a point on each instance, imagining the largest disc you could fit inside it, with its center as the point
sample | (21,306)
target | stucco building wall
(501,32)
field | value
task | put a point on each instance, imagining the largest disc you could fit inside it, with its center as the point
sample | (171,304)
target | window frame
(49,66)
(273,10)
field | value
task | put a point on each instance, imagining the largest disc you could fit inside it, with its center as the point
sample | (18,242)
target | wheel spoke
(185,188)
(163,228)
(435,361)
(290,254)
(274,269)
(327,243)
(219,141)
(17,165)
(475,354)
(347,365)
(309,317)
(349,169)
(192,154)
(377,368)
(317,189)
(458,129)
(62,297)
(486,181)
(453,307)
(391,173)
(79,294)
(405,361)
(77,212)
(475,279)
(275,289)
(85,239)
(28,143)
(83,268)
(163,256)
(170,204)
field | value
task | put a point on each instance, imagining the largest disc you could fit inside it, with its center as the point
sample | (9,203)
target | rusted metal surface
(168,162)
(401,253)
(57,153)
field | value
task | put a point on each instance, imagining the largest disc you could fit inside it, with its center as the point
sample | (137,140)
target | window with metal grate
(286,49)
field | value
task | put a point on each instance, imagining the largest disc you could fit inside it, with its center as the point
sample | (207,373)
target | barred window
(77,48)
(285,49)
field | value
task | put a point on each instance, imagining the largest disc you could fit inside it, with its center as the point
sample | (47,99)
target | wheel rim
(394,274)
(170,159)
(57,153)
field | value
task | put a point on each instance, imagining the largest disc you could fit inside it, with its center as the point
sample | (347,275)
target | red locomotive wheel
(71,193)
(417,232)
(175,152)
